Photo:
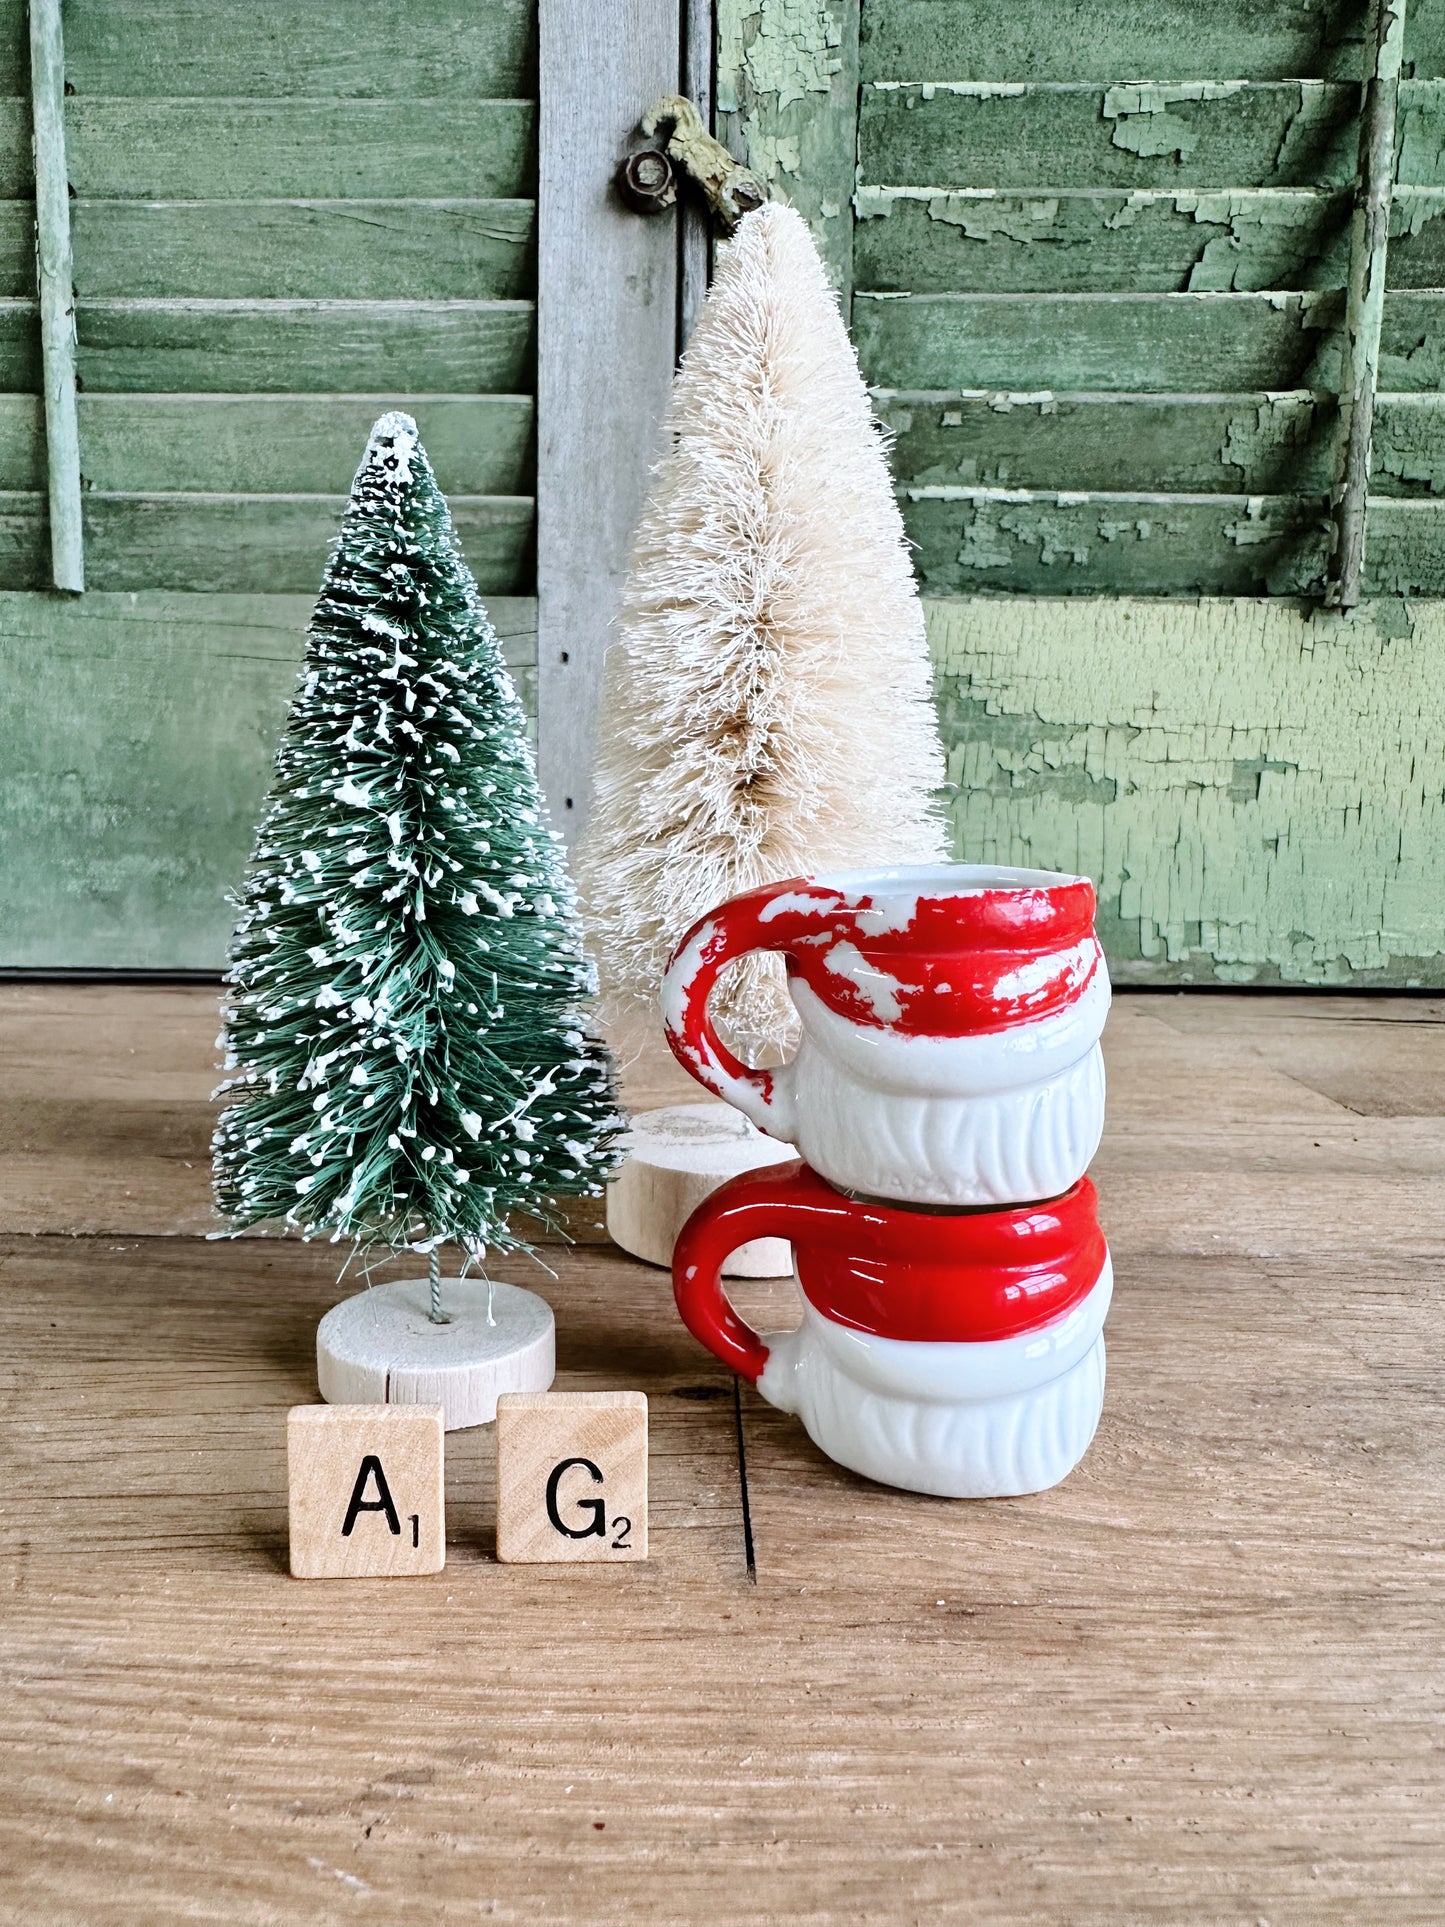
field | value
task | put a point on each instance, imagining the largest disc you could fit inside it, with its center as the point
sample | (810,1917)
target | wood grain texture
(392,50)
(138,734)
(1287,133)
(607,340)
(1173,40)
(54,280)
(571,1478)
(241,544)
(286,444)
(129,149)
(916,240)
(1265,444)
(1186,344)
(366,1495)
(976,540)
(377,250)
(1200,1682)
(200,347)
(1145,134)
(1261,444)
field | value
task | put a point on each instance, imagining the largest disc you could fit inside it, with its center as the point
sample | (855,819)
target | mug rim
(943,880)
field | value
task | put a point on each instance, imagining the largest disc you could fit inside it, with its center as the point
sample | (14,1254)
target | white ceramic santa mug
(959,1354)
(951,1017)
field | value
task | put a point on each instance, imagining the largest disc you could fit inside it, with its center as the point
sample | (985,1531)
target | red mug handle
(771,918)
(780,1201)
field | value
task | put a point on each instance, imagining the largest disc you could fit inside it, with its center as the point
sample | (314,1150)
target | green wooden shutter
(285,219)
(1095,275)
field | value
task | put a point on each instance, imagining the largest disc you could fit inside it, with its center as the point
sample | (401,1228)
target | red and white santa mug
(960,1354)
(951,1017)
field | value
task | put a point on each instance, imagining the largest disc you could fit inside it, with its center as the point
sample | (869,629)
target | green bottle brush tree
(406,1017)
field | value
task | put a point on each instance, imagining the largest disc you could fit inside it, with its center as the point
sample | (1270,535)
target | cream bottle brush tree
(406,1013)
(768,703)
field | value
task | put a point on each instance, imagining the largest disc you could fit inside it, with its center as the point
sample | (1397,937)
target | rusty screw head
(647,181)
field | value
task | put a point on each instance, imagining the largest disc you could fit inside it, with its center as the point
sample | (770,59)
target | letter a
(371,1468)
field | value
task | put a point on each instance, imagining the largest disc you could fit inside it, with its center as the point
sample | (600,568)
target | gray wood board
(381,49)
(1261,444)
(388,250)
(347,149)
(249,544)
(330,347)
(607,332)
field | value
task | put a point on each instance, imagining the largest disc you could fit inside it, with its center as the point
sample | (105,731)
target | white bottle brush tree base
(405,1021)
(411,1342)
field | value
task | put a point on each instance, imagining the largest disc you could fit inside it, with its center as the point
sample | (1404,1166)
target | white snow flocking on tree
(768,705)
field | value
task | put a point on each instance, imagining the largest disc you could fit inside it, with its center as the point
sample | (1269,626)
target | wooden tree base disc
(381,1348)
(676,1157)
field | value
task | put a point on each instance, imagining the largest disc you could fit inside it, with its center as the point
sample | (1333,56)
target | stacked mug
(946,1097)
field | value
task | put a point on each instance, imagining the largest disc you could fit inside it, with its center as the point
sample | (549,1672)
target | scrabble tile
(366,1490)
(572,1477)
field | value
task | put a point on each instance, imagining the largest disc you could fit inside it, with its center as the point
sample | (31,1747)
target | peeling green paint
(1143,123)
(1297,133)
(1084,240)
(1409,443)
(787,82)
(1259,790)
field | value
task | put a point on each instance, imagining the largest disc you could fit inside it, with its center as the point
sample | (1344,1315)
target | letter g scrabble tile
(572,1477)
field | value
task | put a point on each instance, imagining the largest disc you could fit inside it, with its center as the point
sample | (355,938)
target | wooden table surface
(1202,1682)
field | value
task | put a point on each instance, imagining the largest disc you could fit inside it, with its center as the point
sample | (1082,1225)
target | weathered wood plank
(1183,343)
(1173,40)
(1294,133)
(263,149)
(17,249)
(1408,452)
(1017,542)
(1198,134)
(137,736)
(1187,444)
(229,347)
(302,445)
(298,250)
(1420,148)
(258,544)
(380,50)
(1254,785)
(1076,240)
(787,100)
(241,544)
(608,310)
(55,286)
(1412,343)
(1404,548)
(17,170)
(970,542)
(1416,255)
(19,346)
(263,444)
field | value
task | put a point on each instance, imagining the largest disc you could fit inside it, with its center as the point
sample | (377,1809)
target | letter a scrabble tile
(366,1490)
(572,1477)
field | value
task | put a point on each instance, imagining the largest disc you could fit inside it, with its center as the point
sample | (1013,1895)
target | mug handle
(779,1201)
(742,924)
